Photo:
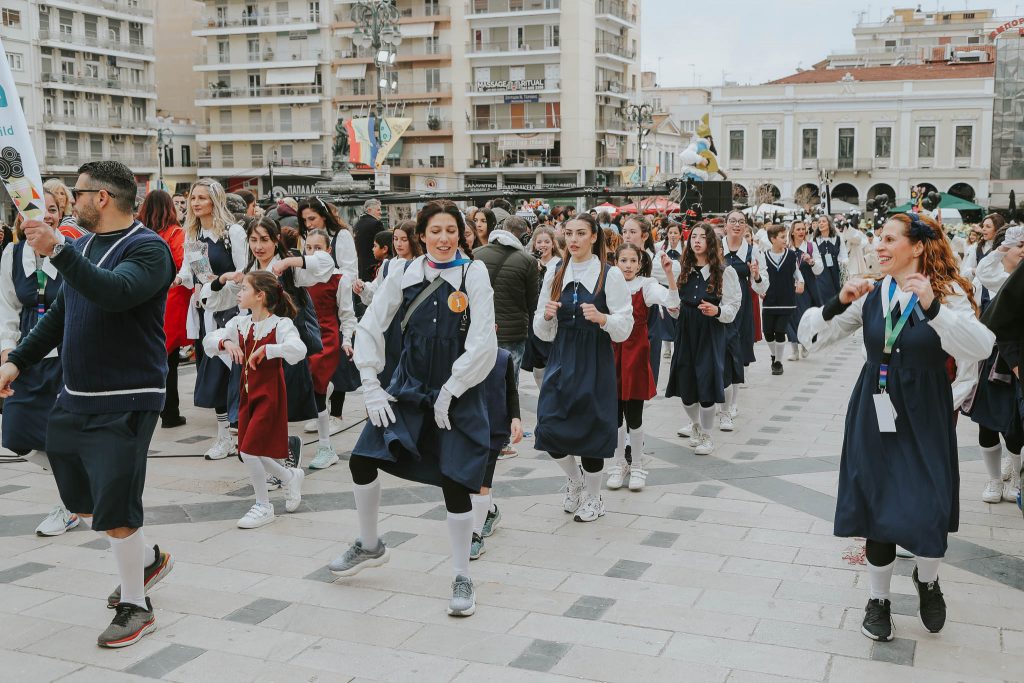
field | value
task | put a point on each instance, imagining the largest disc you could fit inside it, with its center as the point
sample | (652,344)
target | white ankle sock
(274,467)
(879,579)
(570,467)
(538,376)
(460,534)
(481,504)
(258,477)
(928,569)
(368,508)
(222,426)
(693,412)
(593,480)
(707,419)
(993,455)
(1015,463)
(323,427)
(129,554)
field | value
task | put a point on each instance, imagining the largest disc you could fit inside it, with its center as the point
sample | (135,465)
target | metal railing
(616,8)
(108,122)
(257,161)
(265,19)
(95,41)
(261,127)
(343,15)
(424,126)
(515,122)
(612,123)
(90,82)
(142,8)
(424,49)
(546,161)
(496,6)
(266,54)
(603,47)
(512,46)
(80,158)
(609,162)
(227,92)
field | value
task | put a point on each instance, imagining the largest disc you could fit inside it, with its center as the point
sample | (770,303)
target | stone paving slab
(723,569)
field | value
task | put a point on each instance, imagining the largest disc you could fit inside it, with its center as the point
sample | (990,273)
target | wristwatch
(59,247)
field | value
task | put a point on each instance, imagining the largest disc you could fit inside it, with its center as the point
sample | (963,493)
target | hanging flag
(359,141)
(19,169)
(391,131)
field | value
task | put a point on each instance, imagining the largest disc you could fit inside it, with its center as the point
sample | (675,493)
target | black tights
(456,496)
(880,554)
(590,465)
(987,438)
(632,411)
(337,403)
(773,326)
(171,407)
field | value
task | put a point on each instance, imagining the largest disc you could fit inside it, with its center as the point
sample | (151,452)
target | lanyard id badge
(885,412)
(40,289)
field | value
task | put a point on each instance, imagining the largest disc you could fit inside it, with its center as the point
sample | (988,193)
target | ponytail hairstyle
(333,222)
(646,264)
(273,230)
(317,232)
(222,218)
(716,265)
(278,301)
(598,249)
(433,208)
(937,261)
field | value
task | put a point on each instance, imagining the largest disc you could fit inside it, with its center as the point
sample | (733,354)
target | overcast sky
(756,40)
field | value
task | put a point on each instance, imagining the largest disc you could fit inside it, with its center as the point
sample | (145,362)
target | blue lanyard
(892,333)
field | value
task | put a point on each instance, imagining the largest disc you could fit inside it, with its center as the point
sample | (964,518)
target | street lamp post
(642,116)
(377,28)
(164,139)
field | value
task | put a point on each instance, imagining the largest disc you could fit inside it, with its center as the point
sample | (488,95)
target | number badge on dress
(458,302)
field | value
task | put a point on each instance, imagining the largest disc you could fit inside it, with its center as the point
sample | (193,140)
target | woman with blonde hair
(62,194)
(214,244)
(899,480)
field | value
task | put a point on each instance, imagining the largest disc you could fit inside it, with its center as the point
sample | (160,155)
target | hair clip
(918,228)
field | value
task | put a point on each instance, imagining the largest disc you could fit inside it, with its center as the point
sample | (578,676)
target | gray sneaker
(463,602)
(491,523)
(357,558)
(129,624)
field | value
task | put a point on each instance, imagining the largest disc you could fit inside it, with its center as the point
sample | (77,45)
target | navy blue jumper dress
(809,298)
(576,412)
(995,404)
(697,373)
(901,487)
(35,391)
(535,357)
(743,346)
(830,280)
(414,448)
(212,375)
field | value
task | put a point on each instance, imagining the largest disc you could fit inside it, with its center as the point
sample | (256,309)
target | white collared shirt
(10,304)
(619,322)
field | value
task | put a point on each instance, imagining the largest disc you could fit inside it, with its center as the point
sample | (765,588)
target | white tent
(781,209)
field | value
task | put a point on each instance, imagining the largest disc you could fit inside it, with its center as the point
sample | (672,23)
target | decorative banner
(360,141)
(630,175)
(19,169)
(391,130)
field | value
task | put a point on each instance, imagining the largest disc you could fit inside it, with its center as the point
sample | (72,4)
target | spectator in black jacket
(365,230)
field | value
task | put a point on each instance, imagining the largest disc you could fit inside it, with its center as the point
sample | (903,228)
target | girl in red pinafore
(632,361)
(259,342)
(336,315)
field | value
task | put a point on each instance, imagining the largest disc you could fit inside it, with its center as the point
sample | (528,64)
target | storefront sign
(527,141)
(1015,23)
(521,84)
(519,99)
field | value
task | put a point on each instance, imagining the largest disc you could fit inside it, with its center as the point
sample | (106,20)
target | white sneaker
(573,491)
(257,516)
(793,356)
(1008,469)
(293,490)
(638,475)
(685,430)
(591,509)
(618,472)
(220,449)
(695,436)
(706,445)
(733,411)
(310,427)
(1012,488)
(804,352)
(725,422)
(60,520)
(993,492)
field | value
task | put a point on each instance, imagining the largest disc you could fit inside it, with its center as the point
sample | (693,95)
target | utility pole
(377,29)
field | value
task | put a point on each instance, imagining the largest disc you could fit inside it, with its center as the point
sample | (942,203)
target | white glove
(378,405)
(444,400)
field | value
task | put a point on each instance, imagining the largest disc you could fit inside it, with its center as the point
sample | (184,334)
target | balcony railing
(612,123)
(90,82)
(405,90)
(846,164)
(406,49)
(261,127)
(95,41)
(610,162)
(512,46)
(497,6)
(616,8)
(227,92)
(267,54)
(612,86)
(257,161)
(424,126)
(141,8)
(343,15)
(77,159)
(605,48)
(109,122)
(265,19)
(548,160)
(515,122)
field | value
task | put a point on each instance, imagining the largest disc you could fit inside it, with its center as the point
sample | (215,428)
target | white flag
(19,169)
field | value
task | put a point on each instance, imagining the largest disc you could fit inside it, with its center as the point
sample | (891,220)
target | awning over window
(292,75)
(353,71)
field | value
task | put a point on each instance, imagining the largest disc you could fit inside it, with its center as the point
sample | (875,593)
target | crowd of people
(291,309)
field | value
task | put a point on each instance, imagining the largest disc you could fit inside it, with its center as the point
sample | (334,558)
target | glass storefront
(1008,110)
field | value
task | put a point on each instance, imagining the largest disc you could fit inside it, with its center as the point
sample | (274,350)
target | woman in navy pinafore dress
(430,424)
(544,246)
(899,483)
(810,268)
(833,255)
(584,306)
(710,298)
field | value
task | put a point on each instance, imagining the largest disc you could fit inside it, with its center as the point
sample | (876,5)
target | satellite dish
(278,193)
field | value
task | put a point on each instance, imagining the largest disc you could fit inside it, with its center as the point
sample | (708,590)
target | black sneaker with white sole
(877,624)
(294,458)
(932,606)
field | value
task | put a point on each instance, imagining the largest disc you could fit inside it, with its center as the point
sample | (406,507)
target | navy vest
(27,289)
(781,290)
(497,401)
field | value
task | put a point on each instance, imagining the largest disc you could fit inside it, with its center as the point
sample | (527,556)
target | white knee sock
(222,426)
(730,397)
(928,569)
(39,459)
(593,480)
(538,376)
(274,467)
(795,347)
(620,444)
(258,477)
(1015,463)
(637,439)
(693,412)
(129,554)
(993,455)
(149,551)
(323,427)
(460,533)
(481,504)
(368,508)
(879,579)
(570,467)
(707,419)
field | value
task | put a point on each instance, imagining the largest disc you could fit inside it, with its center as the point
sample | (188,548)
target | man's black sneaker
(776,367)
(129,624)
(294,458)
(877,623)
(933,606)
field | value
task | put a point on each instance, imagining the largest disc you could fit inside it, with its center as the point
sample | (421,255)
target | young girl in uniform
(28,287)
(332,301)
(586,307)
(832,252)
(710,299)
(549,255)
(785,283)
(810,269)
(210,228)
(673,246)
(316,214)
(899,473)
(632,367)
(430,424)
(258,342)
(990,227)
(636,230)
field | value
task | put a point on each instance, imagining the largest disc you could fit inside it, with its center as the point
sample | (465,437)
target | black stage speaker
(715,196)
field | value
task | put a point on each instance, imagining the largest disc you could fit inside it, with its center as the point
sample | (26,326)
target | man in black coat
(366,229)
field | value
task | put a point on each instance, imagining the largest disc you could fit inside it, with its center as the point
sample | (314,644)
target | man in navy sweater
(108,318)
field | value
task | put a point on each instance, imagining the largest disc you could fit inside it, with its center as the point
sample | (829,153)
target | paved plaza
(723,569)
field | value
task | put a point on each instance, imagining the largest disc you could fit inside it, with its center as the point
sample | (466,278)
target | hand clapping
(922,287)
(855,289)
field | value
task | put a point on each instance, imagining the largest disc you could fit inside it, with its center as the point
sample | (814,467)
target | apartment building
(84,71)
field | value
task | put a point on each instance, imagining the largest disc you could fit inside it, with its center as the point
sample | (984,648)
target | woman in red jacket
(158,214)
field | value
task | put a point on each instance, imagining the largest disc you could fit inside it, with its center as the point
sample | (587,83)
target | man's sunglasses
(75,192)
